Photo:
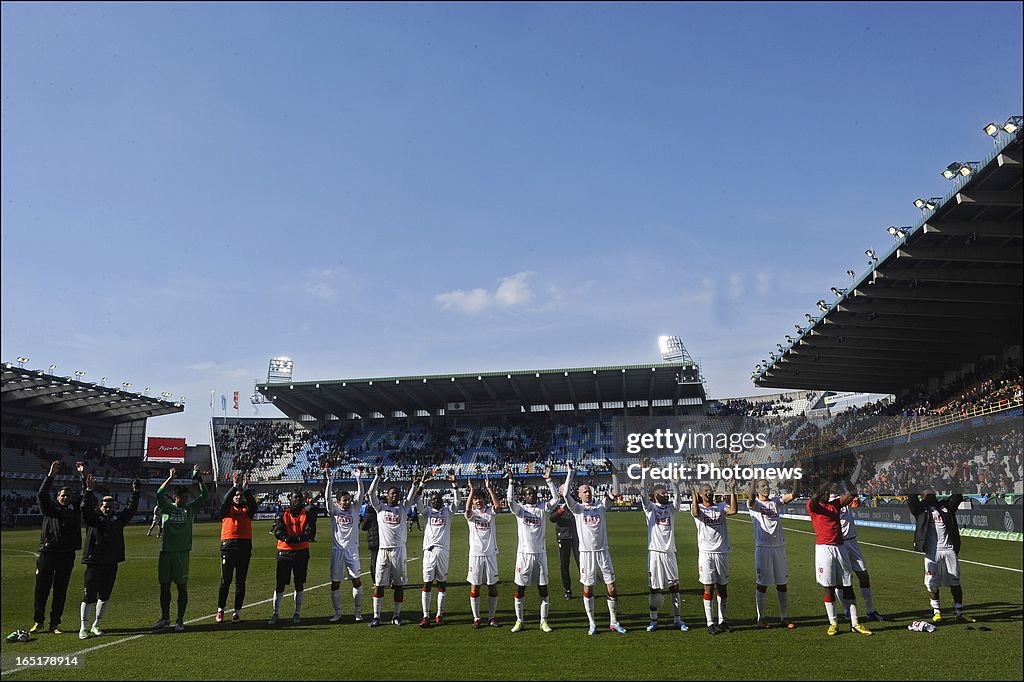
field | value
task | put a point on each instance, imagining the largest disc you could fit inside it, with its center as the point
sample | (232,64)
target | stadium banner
(165,450)
(1001,522)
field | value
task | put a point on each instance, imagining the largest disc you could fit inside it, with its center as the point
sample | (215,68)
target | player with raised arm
(713,545)
(158,522)
(855,554)
(532,553)
(294,528)
(483,551)
(662,566)
(345,550)
(60,538)
(589,514)
(104,550)
(771,564)
(236,513)
(176,545)
(437,542)
(832,567)
(391,562)
(937,535)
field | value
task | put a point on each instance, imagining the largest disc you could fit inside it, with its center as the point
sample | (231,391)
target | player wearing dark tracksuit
(237,512)
(568,544)
(59,540)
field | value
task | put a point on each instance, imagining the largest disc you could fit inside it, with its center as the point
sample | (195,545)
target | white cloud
(474,301)
(514,290)
(736,288)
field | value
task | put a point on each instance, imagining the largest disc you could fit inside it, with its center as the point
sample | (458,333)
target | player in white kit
(855,554)
(391,564)
(662,565)
(589,514)
(483,551)
(771,564)
(713,543)
(437,548)
(532,552)
(345,553)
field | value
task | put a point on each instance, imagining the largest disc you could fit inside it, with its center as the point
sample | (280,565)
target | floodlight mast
(279,372)
(673,350)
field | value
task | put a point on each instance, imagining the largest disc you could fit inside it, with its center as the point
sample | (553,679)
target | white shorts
(483,570)
(713,568)
(592,562)
(856,555)
(771,565)
(831,566)
(344,564)
(531,569)
(662,570)
(390,569)
(435,565)
(941,569)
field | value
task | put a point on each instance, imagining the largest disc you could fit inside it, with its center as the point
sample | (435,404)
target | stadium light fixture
(838,292)
(166,394)
(789,338)
(52,367)
(1013,124)
(145,391)
(79,374)
(811,319)
(126,385)
(897,232)
(951,171)
(22,360)
(962,168)
(851,274)
(822,306)
(992,130)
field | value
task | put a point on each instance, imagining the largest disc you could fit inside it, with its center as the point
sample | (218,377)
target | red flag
(236,401)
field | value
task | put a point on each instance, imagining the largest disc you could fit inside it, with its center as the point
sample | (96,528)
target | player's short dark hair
(530,489)
(393,487)
(181,490)
(64,487)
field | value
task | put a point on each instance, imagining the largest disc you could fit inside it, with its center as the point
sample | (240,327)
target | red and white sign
(165,450)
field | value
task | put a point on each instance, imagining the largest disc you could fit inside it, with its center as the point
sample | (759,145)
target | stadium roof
(948,293)
(488,392)
(35,392)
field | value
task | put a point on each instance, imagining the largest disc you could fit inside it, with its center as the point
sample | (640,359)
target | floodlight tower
(279,372)
(673,350)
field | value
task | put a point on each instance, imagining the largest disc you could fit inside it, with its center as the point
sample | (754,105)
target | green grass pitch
(317,649)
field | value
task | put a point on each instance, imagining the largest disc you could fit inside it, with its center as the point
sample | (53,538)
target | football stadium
(858,514)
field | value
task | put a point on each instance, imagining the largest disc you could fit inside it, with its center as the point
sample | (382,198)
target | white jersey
(661,520)
(345,524)
(766,516)
(846,521)
(712,533)
(482,538)
(531,520)
(590,526)
(438,533)
(391,524)
(938,537)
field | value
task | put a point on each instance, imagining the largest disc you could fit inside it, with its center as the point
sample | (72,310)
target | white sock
(783,604)
(869,602)
(474,604)
(299,594)
(721,608)
(675,604)
(442,595)
(492,606)
(85,615)
(101,608)
(654,602)
(425,603)
(759,603)
(830,611)
(376,606)
(588,605)
(336,600)
(519,608)
(959,607)
(544,610)
(708,613)
(277,601)
(357,597)
(613,616)
(935,605)
(854,621)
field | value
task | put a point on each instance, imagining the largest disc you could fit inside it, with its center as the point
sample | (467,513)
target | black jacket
(923,516)
(104,535)
(308,533)
(565,523)
(369,524)
(62,526)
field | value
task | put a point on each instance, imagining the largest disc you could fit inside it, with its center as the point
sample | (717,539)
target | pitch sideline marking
(187,622)
(908,551)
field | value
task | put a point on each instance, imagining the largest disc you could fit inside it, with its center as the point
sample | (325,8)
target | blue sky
(379,189)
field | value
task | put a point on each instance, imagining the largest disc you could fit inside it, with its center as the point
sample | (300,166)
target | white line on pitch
(908,551)
(187,622)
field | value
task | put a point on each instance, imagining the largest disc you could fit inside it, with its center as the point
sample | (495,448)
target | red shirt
(825,519)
